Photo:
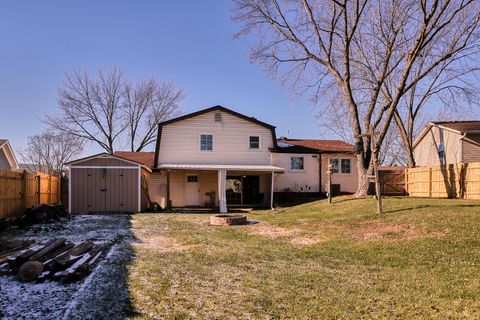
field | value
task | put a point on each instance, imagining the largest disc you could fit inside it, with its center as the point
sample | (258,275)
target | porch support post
(222,190)
(168,204)
(271,190)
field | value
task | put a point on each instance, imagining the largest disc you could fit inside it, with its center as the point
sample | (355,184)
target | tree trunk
(363,172)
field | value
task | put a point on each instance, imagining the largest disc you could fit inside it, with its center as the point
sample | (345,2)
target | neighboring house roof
(460,127)
(9,153)
(200,112)
(286,145)
(468,126)
(145,158)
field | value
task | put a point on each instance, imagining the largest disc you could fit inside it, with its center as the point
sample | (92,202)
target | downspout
(460,146)
(462,167)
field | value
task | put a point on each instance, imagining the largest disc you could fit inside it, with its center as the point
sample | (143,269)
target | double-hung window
(296,163)
(206,142)
(346,166)
(254,142)
(341,166)
(334,165)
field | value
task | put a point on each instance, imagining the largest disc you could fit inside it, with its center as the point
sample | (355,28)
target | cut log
(57,252)
(30,270)
(78,270)
(68,258)
(52,246)
(23,257)
(17,251)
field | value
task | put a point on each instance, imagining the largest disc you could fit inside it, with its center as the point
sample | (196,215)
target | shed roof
(106,155)
(312,145)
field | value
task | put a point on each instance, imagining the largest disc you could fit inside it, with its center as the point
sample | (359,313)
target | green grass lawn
(421,259)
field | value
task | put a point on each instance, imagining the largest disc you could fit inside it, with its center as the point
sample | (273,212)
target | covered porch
(220,186)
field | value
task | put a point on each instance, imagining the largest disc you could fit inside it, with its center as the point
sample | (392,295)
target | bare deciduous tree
(48,152)
(108,110)
(369,50)
(146,104)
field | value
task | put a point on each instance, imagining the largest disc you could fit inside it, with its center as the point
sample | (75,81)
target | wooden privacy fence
(21,190)
(461,180)
(392,183)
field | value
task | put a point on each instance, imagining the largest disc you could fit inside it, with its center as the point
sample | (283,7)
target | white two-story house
(217,157)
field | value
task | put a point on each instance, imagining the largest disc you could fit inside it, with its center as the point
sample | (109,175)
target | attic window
(218,117)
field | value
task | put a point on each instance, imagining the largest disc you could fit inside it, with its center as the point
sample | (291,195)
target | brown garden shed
(107,183)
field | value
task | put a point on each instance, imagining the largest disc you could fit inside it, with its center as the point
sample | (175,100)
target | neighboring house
(217,157)
(446,142)
(8,161)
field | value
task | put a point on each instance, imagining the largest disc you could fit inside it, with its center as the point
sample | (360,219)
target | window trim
(303,164)
(340,165)
(200,141)
(349,167)
(259,142)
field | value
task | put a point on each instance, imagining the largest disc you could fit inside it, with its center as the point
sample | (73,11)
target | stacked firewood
(37,214)
(56,259)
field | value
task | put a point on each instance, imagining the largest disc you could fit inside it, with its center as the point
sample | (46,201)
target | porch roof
(228,167)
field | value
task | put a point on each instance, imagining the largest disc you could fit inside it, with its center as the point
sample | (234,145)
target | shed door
(122,190)
(96,190)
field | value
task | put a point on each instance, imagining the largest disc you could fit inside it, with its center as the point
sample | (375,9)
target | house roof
(312,146)
(145,158)
(460,126)
(9,153)
(200,112)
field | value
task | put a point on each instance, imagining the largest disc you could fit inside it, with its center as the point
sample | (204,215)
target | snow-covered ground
(101,295)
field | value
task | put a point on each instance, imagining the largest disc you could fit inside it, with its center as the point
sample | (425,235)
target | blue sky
(190,42)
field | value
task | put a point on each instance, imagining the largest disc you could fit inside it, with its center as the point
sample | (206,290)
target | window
(192,178)
(206,142)
(296,163)
(218,117)
(346,166)
(334,164)
(254,142)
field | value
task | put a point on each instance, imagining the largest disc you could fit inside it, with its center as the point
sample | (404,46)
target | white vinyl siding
(4,164)
(180,141)
(426,151)
(348,181)
(306,180)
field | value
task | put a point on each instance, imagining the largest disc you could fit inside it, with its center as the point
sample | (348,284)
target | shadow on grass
(431,206)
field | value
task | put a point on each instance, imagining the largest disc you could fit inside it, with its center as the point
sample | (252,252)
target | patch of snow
(101,295)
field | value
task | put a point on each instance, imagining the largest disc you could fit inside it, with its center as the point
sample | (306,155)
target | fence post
(39,179)
(406,181)
(49,189)
(429,182)
(24,189)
